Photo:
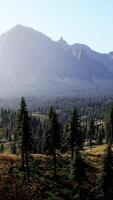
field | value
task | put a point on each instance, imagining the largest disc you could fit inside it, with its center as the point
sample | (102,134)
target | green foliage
(47,137)
(65,140)
(109,124)
(91,132)
(23,125)
(51,196)
(78,168)
(53,137)
(23,128)
(103,189)
(75,133)
(78,176)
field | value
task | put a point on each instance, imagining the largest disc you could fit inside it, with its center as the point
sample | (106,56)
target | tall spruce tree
(53,138)
(104,184)
(78,176)
(24,132)
(75,133)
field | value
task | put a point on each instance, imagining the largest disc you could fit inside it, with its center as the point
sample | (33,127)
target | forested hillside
(57,152)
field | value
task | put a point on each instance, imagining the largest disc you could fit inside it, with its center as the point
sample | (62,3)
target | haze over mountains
(32,64)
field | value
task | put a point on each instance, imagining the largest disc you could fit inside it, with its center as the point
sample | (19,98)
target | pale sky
(78,21)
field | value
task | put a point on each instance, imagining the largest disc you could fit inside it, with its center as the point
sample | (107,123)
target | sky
(77,21)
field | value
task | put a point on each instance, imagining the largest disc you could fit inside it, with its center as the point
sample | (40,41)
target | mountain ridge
(27,54)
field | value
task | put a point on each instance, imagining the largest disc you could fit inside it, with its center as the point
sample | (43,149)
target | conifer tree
(53,136)
(39,138)
(111,124)
(101,135)
(24,131)
(2,148)
(104,184)
(78,176)
(75,133)
(65,146)
(14,148)
(91,132)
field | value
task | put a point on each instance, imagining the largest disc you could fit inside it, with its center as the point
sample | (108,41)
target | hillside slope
(32,64)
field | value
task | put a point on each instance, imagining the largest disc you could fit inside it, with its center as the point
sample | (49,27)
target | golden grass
(97,151)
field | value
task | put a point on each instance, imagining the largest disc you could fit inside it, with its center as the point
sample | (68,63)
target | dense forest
(59,149)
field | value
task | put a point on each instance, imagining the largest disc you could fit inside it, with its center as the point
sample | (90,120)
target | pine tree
(91,132)
(101,135)
(104,184)
(39,138)
(53,136)
(23,130)
(75,133)
(65,145)
(78,176)
(111,124)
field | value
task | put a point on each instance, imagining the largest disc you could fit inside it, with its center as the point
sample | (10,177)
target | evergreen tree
(78,176)
(53,136)
(14,148)
(111,123)
(23,129)
(104,184)
(75,133)
(44,137)
(65,145)
(101,136)
(2,148)
(91,132)
(107,130)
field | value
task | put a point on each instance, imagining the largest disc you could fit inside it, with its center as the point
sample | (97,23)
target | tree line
(30,135)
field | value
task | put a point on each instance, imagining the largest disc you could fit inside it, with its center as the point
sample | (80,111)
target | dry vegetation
(13,184)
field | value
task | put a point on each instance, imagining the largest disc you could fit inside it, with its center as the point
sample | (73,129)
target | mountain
(33,64)
(104,58)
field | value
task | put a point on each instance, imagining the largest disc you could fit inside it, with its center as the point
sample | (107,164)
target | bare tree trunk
(72,151)
(22,157)
(27,165)
(54,160)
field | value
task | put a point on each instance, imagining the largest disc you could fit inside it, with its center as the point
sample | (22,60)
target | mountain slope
(104,58)
(31,64)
